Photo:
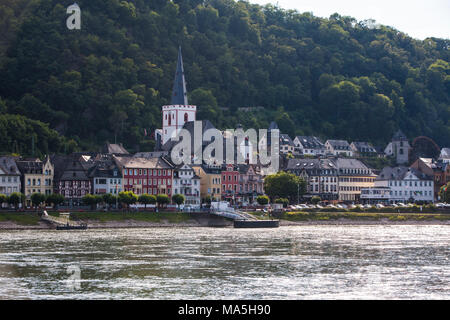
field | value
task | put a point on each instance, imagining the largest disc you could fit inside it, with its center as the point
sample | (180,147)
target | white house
(338,148)
(286,144)
(445,155)
(187,183)
(403,184)
(9,176)
(309,146)
(106,177)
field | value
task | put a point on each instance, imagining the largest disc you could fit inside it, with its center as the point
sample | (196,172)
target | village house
(363,149)
(146,175)
(187,183)
(9,176)
(210,177)
(400,184)
(321,176)
(353,176)
(439,171)
(36,177)
(251,184)
(444,156)
(71,176)
(230,183)
(106,176)
(338,148)
(286,144)
(309,146)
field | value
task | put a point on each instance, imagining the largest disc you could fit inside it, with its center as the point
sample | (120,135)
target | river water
(304,262)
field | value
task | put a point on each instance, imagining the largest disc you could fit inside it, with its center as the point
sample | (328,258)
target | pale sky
(418,18)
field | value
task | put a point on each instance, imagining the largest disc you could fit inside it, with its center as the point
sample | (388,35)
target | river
(302,262)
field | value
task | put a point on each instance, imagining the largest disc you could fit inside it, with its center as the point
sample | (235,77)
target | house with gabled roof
(309,146)
(321,176)
(9,176)
(338,148)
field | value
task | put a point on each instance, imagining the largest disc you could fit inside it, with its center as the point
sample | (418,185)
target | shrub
(262,200)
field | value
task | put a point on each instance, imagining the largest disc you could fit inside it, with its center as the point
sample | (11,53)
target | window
(185,117)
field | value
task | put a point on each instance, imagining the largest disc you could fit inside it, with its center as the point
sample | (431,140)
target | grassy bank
(20,218)
(363,216)
(171,217)
(26,218)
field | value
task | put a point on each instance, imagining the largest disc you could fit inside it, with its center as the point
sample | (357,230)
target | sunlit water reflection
(308,262)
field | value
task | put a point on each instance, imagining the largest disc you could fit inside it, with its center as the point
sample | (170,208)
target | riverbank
(107,220)
(362,218)
(111,220)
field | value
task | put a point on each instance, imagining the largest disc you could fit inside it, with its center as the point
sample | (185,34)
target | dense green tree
(128,198)
(55,199)
(284,185)
(178,199)
(109,199)
(162,199)
(3,199)
(16,198)
(331,77)
(146,199)
(37,199)
(262,200)
(92,200)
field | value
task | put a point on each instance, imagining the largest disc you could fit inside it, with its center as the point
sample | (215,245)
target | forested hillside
(333,77)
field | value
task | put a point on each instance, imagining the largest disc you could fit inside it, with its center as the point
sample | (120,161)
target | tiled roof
(113,148)
(364,147)
(308,164)
(8,166)
(399,173)
(339,144)
(286,140)
(310,142)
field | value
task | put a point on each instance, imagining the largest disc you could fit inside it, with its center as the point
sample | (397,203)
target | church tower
(179,111)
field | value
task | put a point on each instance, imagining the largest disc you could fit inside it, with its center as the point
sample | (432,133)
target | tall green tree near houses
(262,200)
(146,199)
(3,199)
(178,199)
(162,199)
(109,199)
(128,198)
(284,185)
(55,199)
(16,198)
(37,199)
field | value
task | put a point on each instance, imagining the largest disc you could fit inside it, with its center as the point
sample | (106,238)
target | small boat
(72,227)
(256,224)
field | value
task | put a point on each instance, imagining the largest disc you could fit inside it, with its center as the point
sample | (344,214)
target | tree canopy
(331,77)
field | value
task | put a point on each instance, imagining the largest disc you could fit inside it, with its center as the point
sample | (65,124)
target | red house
(230,183)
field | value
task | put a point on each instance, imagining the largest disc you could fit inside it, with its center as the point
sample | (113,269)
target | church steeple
(179,93)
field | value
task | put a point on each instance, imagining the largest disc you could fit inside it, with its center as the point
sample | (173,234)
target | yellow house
(37,177)
(353,175)
(210,177)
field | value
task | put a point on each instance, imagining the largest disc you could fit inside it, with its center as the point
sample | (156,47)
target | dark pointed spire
(179,93)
